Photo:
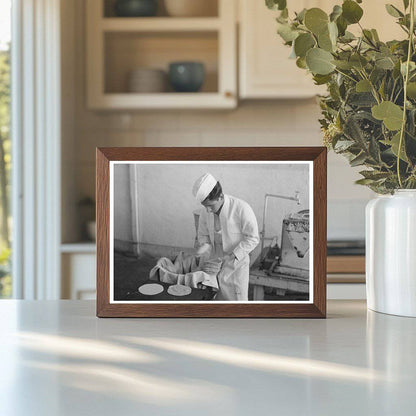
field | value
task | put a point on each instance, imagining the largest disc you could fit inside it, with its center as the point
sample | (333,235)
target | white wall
(123,224)
(166,202)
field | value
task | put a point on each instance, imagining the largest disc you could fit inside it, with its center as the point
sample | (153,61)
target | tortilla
(179,290)
(151,289)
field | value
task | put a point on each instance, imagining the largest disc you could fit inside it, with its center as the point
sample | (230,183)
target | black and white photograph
(195,231)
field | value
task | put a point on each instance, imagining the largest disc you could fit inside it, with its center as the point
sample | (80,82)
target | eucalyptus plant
(369,112)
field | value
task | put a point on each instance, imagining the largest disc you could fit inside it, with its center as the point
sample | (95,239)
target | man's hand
(212,266)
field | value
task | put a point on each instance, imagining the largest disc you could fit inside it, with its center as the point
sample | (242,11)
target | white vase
(391,253)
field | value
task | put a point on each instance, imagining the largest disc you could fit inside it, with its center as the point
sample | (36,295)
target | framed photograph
(211,232)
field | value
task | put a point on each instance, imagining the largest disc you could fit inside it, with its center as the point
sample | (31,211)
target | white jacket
(240,236)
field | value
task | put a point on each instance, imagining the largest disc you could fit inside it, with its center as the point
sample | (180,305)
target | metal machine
(283,266)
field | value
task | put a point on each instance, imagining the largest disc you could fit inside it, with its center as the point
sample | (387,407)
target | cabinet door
(265,68)
(78,276)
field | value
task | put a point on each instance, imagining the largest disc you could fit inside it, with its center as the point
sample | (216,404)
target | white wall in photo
(123,220)
(165,202)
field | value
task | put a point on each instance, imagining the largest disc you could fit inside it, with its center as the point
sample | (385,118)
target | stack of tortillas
(151,289)
(179,290)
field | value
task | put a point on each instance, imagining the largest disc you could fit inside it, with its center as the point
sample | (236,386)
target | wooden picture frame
(315,157)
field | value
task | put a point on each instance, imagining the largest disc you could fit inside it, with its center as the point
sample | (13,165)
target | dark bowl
(135,8)
(186,76)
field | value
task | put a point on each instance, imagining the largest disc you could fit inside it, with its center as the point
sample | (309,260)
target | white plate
(151,289)
(179,290)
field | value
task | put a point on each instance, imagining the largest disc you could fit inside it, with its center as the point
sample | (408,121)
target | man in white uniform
(229,226)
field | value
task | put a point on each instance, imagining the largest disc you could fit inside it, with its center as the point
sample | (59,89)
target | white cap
(203,186)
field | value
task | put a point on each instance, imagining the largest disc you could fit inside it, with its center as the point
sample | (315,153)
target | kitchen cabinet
(78,263)
(265,70)
(118,45)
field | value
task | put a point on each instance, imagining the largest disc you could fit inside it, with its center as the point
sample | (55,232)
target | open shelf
(116,46)
(130,101)
(127,51)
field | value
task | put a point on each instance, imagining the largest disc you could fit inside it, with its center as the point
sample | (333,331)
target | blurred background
(100,73)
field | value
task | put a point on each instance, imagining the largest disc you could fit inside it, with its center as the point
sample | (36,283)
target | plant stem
(373,90)
(345,75)
(392,90)
(369,41)
(398,95)
(406,79)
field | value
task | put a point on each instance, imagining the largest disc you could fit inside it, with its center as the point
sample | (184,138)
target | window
(5,145)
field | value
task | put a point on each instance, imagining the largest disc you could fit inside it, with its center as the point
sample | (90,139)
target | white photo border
(213,162)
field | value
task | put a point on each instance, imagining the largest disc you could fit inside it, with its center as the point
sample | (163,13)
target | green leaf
(347,37)
(351,11)
(412,67)
(303,43)
(411,90)
(353,130)
(358,61)
(390,113)
(374,150)
(342,25)
(336,12)
(333,32)
(375,35)
(393,11)
(382,88)
(368,36)
(292,54)
(358,160)
(377,74)
(343,65)
(343,145)
(364,181)
(374,175)
(385,63)
(301,63)
(301,15)
(396,71)
(283,17)
(394,144)
(321,79)
(361,99)
(286,32)
(276,4)
(363,86)
(319,61)
(325,42)
(316,20)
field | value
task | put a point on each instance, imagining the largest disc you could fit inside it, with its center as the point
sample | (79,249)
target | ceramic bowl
(135,8)
(147,80)
(186,76)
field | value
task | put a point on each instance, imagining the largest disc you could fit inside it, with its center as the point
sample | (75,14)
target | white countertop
(57,358)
